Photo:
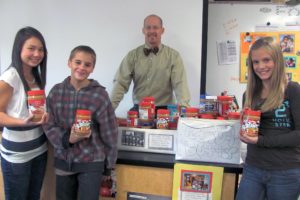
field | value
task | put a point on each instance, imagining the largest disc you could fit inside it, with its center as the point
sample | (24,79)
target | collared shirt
(157,75)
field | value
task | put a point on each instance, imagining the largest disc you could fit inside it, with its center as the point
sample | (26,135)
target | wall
(225,22)
(111,27)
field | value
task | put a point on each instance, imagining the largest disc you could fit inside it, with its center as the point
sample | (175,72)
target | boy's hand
(76,136)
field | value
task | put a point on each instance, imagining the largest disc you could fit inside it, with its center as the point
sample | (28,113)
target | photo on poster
(290,61)
(287,43)
(196,181)
(289,76)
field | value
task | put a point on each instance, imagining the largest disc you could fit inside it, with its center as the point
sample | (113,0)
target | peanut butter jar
(36,104)
(250,122)
(83,122)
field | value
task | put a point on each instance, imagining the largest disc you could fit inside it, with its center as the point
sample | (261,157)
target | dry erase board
(111,27)
(225,23)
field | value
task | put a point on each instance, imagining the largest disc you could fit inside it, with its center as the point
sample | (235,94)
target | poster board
(225,23)
(206,140)
(290,45)
(197,182)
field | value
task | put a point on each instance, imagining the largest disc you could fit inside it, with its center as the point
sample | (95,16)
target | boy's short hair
(83,48)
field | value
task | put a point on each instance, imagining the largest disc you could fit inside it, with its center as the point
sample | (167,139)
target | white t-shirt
(12,139)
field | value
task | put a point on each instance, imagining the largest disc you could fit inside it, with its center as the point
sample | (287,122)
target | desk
(151,173)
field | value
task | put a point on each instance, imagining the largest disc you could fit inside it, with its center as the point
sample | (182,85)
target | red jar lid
(163,111)
(191,110)
(83,112)
(132,112)
(252,112)
(207,116)
(36,92)
(234,115)
(145,104)
(224,98)
(148,99)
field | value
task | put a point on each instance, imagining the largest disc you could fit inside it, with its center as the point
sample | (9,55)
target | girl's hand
(248,139)
(28,120)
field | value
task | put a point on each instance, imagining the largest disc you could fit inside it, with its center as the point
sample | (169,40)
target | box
(208,140)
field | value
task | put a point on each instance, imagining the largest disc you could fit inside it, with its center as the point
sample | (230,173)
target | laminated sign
(208,140)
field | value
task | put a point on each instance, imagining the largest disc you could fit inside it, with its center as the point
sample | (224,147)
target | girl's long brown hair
(278,78)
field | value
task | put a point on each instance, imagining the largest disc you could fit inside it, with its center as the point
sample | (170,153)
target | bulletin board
(226,22)
(290,45)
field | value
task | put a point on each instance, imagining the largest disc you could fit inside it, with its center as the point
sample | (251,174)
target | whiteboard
(225,23)
(110,27)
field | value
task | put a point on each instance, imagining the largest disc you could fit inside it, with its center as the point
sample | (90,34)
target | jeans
(23,181)
(262,184)
(85,184)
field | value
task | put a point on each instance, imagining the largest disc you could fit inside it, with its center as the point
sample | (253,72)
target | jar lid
(234,115)
(35,92)
(191,109)
(207,116)
(224,98)
(172,106)
(132,112)
(145,103)
(83,112)
(150,98)
(248,111)
(163,111)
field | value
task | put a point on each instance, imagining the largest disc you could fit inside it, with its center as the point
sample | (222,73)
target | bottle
(132,118)
(83,122)
(234,116)
(191,112)
(250,122)
(151,100)
(145,115)
(211,106)
(202,104)
(224,103)
(162,119)
(36,104)
(174,115)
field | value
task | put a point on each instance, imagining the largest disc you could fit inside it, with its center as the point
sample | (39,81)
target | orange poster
(290,45)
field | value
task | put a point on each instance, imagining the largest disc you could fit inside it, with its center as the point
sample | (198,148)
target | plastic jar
(174,115)
(211,105)
(132,118)
(151,100)
(162,119)
(202,104)
(36,104)
(207,116)
(224,103)
(234,116)
(250,122)
(191,112)
(145,116)
(83,122)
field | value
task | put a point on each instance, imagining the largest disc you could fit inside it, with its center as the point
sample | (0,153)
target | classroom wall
(225,22)
(111,27)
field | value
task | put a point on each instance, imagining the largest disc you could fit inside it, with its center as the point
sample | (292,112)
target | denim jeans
(261,184)
(23,181)
(86,185)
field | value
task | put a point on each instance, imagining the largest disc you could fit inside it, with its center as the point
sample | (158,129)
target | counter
(150,173)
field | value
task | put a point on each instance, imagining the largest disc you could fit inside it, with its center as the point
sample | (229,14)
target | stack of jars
(218,107)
